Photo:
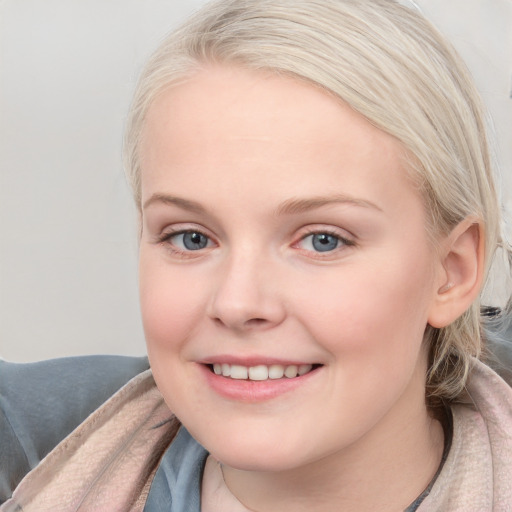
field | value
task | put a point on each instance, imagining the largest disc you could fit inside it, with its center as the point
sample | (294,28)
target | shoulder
(498,344)
(41,403)
(476,473)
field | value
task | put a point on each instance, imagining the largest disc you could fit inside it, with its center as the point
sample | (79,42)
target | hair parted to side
(390,65)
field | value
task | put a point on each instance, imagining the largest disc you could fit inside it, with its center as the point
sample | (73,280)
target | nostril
(252,323)
(255,322)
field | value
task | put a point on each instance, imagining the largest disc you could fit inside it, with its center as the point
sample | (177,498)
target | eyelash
(165,239)
(343,242)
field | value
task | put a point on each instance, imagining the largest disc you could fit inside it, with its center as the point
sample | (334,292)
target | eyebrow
(185,204)
(294,206)
(288,207)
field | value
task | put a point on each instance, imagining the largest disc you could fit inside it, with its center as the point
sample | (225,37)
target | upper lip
(252,360)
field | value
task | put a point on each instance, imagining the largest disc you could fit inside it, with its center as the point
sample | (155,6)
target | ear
(460,274)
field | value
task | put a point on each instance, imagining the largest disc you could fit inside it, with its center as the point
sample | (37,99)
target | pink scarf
(106,464)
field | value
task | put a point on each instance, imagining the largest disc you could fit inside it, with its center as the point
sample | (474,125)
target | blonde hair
(389,64)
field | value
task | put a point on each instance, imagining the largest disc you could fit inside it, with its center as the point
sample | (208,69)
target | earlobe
(461,273)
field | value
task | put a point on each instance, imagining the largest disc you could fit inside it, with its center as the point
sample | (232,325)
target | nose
(246,296)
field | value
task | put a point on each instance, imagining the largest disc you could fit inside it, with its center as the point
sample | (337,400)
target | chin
(260,462)
(255,453)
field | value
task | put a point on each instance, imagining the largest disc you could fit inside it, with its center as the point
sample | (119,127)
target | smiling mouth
(262,372)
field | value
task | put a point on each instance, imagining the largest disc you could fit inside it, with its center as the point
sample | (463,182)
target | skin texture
(243,158)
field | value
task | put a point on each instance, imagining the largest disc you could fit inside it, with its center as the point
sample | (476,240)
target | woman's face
(281,235)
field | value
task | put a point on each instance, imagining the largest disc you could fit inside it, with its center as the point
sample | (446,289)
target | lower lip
(253,390)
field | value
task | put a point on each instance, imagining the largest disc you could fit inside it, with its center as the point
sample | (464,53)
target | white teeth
(291,371)
(239,372)
(261,372)
(258,372)
(276,371)
(305,368)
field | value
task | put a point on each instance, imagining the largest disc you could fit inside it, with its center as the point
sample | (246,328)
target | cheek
(171,304)
(378,312)
(172,309)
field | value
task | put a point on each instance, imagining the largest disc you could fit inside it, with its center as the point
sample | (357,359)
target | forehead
(252,102)
(227,123)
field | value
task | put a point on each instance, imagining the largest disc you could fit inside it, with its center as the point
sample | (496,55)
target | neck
(386,469)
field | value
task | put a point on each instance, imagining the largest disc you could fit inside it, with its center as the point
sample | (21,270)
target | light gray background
(68,244)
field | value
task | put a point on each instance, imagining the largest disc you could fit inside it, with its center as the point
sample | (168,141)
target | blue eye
(190,240)
(322,242)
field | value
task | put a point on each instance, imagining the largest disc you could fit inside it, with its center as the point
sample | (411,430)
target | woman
(318,215)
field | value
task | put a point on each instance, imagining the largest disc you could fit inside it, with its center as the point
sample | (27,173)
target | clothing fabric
(477,475)
(41,403)
(109,462)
